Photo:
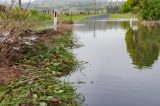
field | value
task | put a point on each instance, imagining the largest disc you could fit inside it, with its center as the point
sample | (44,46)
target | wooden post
(20,4)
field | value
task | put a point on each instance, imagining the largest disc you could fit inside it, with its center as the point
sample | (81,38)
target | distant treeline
(74,5)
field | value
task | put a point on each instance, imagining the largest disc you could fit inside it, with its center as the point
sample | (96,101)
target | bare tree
(12,3)
(20,3)
(95,6)
(15,2)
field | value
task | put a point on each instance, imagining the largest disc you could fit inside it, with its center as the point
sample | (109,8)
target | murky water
(124,64)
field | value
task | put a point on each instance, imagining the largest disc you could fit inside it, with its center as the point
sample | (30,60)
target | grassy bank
(31,62)
(42,65)
(125,16)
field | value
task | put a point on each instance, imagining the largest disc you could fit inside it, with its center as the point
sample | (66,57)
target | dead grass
(8,74)
(11,35)
(150,23)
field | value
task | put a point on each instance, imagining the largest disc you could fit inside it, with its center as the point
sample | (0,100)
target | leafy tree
(125,8)
(150,9)
(130,5)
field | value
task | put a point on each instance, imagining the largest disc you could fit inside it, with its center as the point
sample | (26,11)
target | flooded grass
(37,91)
(125,16)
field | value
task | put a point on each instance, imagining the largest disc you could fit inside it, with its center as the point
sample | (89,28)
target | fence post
(131,20)
(55,23)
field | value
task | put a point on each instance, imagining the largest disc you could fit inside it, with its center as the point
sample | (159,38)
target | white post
(131,22)
(55,25)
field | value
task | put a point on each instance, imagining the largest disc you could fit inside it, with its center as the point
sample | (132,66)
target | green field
(74,17)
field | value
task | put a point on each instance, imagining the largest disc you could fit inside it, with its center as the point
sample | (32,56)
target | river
(123,66)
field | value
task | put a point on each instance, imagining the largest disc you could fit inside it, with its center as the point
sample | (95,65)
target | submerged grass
(39,86)
(125,16)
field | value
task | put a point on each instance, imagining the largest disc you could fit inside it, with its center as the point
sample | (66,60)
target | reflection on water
(143,45)
(102,25)
(116,53)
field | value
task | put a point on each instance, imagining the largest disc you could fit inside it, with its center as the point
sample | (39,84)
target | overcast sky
(17,0)
(58,0)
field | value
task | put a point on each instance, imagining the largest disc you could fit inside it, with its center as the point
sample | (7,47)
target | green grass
(62,18)
(125,16)
(74,17)
(29,15)
(36,15)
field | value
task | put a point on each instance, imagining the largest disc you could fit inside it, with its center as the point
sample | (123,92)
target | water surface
(123,63)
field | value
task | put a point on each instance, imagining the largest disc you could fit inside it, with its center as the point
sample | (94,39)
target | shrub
(130,5)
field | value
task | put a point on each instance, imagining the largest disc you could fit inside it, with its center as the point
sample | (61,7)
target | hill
(69,4)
